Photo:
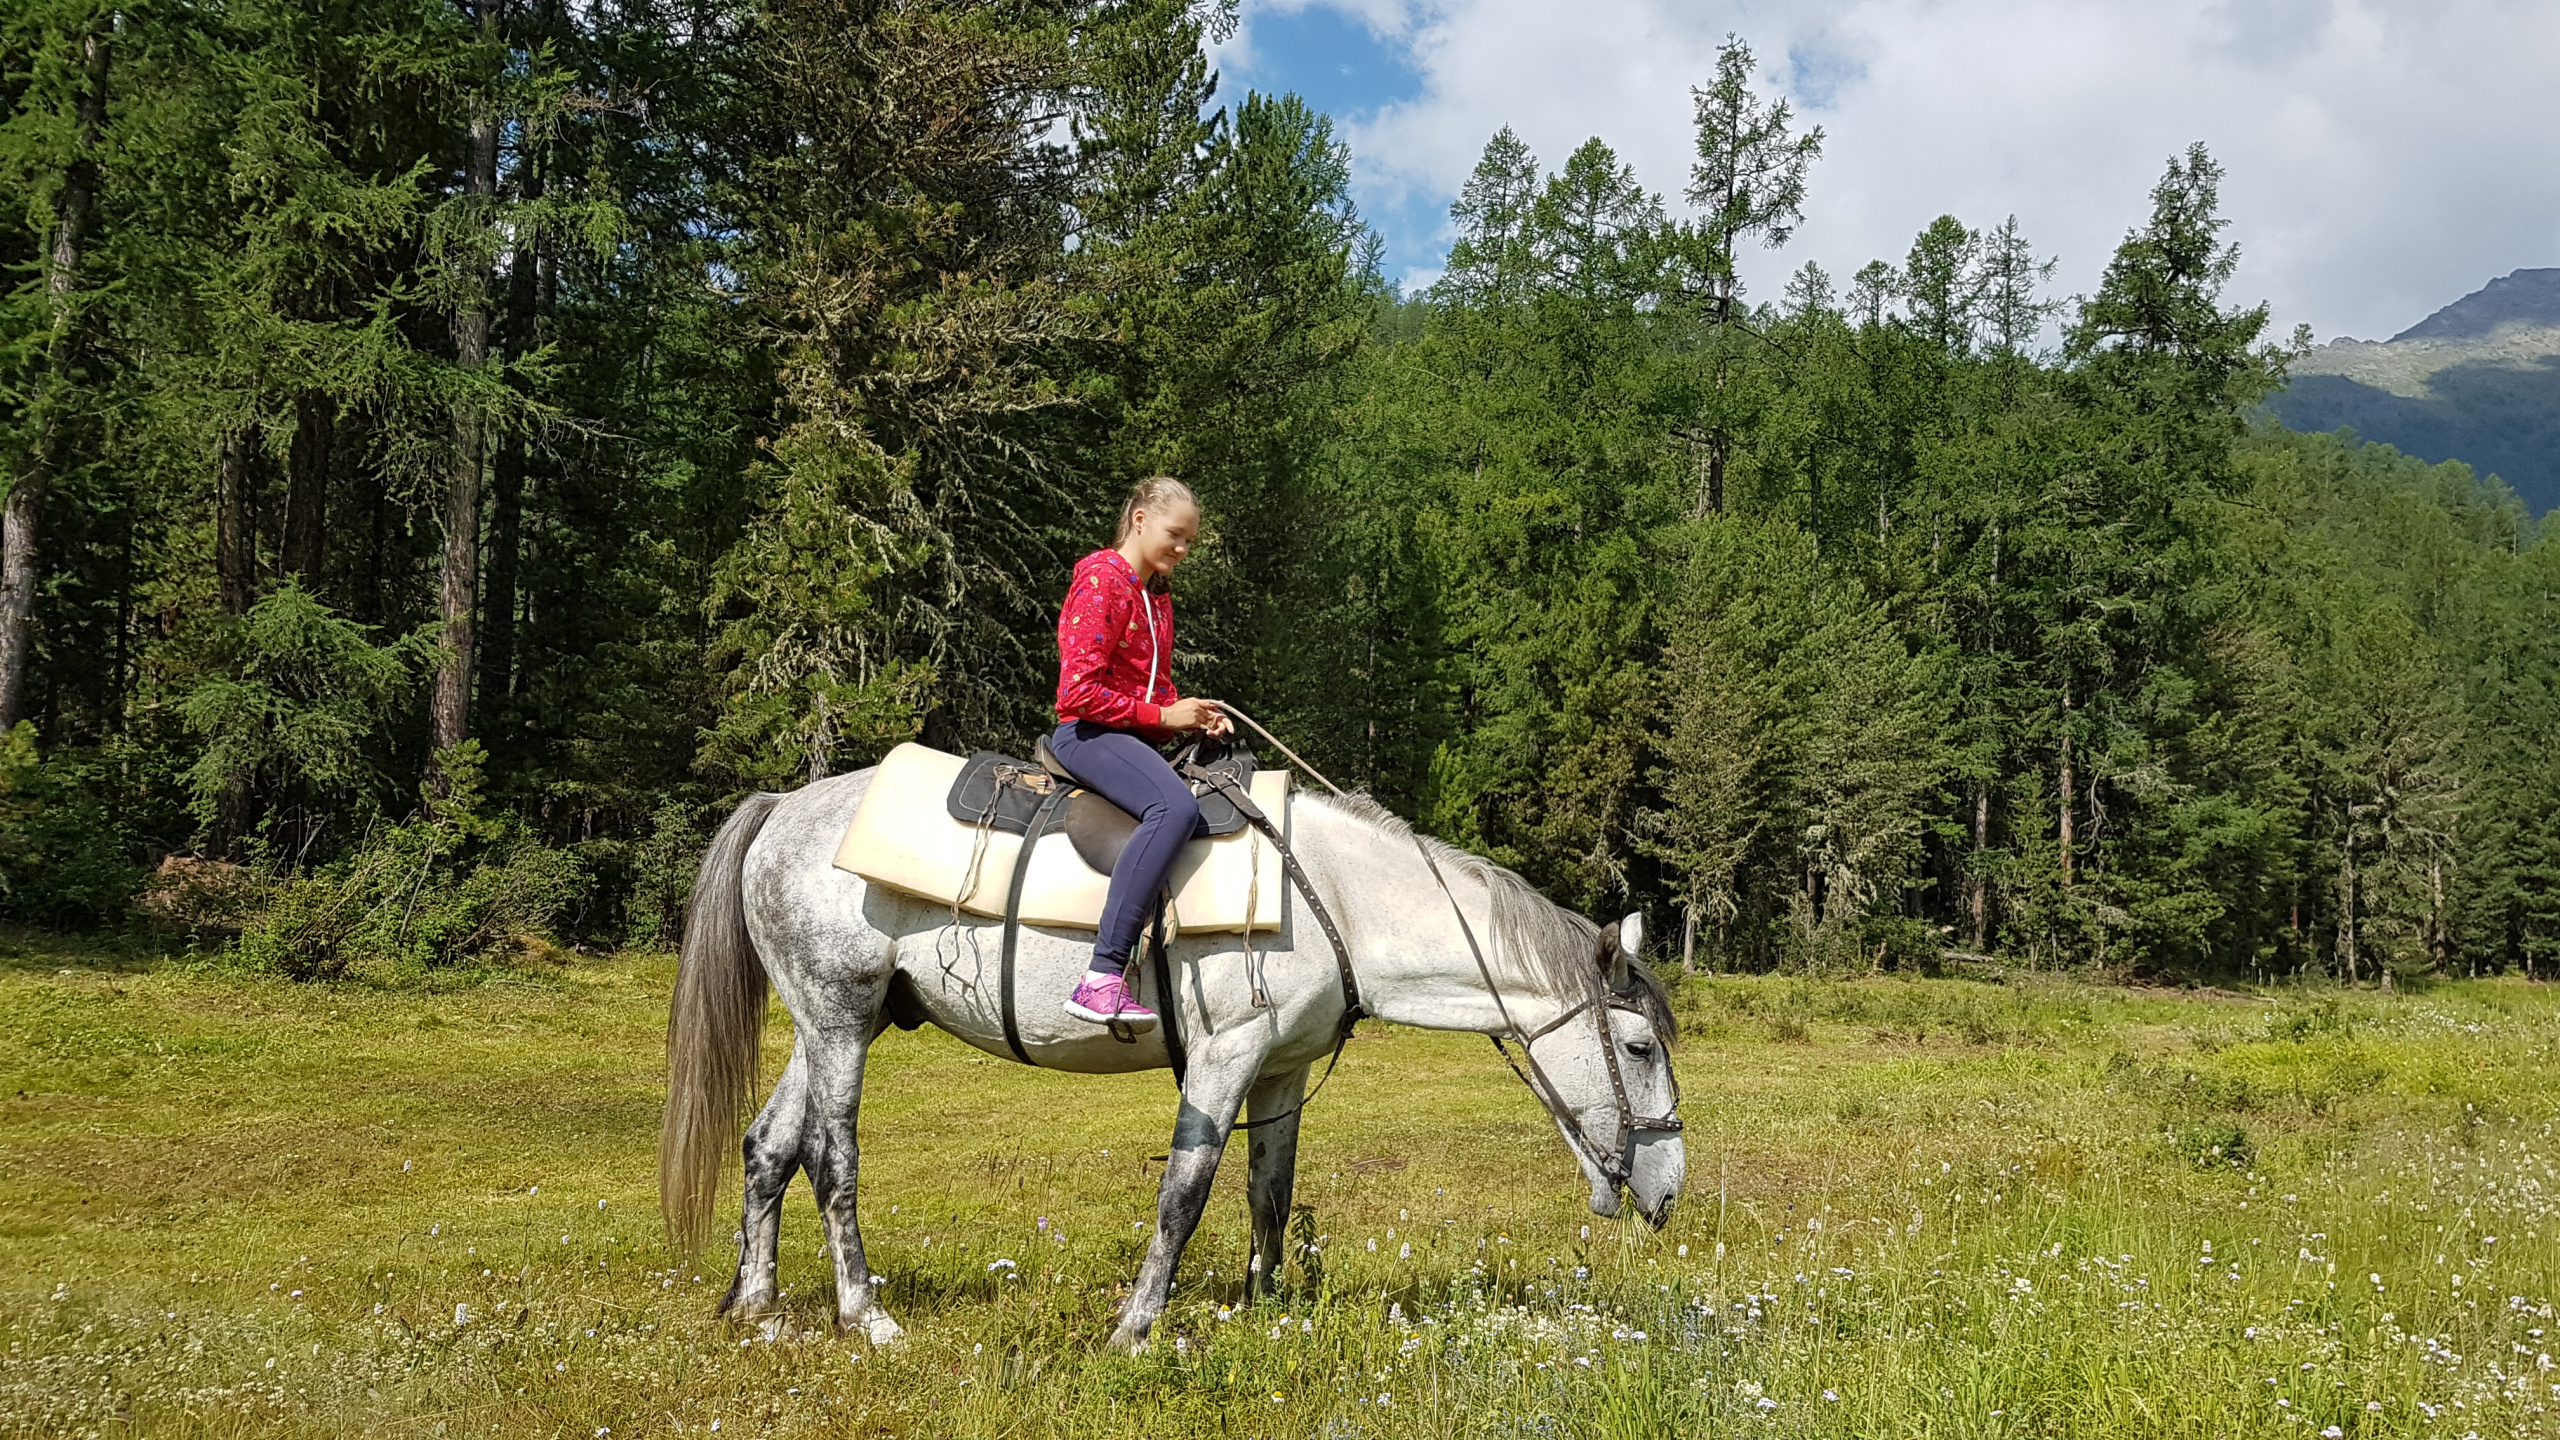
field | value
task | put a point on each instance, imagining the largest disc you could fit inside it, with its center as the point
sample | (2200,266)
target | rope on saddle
(1051,807)
(1255,816)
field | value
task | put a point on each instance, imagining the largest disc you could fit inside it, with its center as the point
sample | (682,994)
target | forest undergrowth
(244,1206)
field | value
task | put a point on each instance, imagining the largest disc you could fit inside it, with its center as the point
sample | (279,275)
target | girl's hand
(1190,713)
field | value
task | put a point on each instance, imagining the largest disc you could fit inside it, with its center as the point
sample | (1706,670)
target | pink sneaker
(1108,1000)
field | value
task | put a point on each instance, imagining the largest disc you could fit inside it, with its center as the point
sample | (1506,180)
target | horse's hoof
(750,1309)
(882,1331)
(1129,1341)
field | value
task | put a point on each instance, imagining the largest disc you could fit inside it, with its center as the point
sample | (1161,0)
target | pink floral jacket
(1115,648)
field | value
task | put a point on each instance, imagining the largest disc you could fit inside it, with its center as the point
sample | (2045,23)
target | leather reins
(1351,1007)
(1617,1163)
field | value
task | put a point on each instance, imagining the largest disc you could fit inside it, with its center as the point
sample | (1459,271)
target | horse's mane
(1533,935)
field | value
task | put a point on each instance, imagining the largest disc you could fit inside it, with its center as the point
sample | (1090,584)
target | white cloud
(2383,158)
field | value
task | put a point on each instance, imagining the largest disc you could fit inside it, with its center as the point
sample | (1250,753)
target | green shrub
(2325,1017)
(452,887)
(2214,1145)
(661,877)
(289,710)
(65,862)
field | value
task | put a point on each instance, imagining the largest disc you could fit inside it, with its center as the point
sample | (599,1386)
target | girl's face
(1158,539)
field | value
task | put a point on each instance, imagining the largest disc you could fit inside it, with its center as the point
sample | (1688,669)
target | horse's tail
(714,1027)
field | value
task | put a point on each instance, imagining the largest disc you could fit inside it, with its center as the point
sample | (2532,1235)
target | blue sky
(1349,71)
(1329,56)
(2384,156)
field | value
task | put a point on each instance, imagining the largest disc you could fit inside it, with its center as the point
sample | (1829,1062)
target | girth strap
(1169,1008)
(1050,809)
(1351,1009)
(1254,816)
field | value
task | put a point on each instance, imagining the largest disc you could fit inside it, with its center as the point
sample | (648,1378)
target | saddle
(998,790)
(997,808)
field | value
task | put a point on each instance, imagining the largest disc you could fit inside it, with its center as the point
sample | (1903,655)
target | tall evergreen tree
(1748,183)
(51,150)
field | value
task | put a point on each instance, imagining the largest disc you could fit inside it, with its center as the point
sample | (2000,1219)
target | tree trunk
(235,560)
(506,527)
(306,496)
(1981,882)
(1716,442)
(19,557)
(2347,956)
(2068,839)
(1689,940)
(371,594)
(235,541)
(2439,934)
(458,590)
(498,598)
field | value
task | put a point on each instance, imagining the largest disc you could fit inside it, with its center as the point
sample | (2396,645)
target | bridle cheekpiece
(1616,1163)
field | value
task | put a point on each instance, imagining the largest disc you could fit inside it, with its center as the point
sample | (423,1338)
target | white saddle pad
(904,837)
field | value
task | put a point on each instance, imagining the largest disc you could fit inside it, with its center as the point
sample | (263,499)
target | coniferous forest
(455,448)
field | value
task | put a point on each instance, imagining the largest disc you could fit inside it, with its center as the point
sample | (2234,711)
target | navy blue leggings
(1128,772)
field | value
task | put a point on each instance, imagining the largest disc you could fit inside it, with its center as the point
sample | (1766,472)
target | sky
(2382,159)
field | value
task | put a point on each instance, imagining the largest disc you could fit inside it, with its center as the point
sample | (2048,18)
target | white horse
(850,959)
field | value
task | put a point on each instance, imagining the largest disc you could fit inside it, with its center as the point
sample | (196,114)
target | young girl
(1116,702)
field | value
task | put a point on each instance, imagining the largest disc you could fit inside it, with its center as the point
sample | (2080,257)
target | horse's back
(834,943)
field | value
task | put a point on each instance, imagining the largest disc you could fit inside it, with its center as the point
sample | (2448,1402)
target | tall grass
(243,1207)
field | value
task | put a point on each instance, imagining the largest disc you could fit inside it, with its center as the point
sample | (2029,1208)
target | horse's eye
(1641,1049)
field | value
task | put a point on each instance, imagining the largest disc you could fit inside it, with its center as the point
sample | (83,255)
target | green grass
(242,1207)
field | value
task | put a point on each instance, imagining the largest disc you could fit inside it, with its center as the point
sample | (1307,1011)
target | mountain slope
(2477,381)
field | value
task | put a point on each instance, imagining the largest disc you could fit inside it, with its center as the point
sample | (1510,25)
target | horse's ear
(1630,945)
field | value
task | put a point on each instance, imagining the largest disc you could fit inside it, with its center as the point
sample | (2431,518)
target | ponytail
(1151,494)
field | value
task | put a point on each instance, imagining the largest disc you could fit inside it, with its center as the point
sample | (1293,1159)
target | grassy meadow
(240,1207)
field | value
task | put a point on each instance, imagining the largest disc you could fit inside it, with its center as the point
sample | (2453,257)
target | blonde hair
(1152,494)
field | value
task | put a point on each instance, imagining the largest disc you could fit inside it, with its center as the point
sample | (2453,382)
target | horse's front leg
(1209,1103)
(1272,1177)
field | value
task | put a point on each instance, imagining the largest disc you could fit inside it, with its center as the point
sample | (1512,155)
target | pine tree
(908,275)
(1491,263)
(1748,183)
(1942,282)
(51,148)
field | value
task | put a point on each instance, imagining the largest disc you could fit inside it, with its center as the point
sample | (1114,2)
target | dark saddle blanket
(999,790)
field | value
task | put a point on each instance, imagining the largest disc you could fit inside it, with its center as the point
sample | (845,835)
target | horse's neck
(1408,947)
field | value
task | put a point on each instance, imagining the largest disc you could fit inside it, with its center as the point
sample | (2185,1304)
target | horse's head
(1618,1117)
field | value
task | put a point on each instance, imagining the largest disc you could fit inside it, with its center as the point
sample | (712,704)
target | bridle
(1617,1162)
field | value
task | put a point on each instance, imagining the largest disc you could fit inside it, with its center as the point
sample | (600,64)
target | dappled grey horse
(1438,939)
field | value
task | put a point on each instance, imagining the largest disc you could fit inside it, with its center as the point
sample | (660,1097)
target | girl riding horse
(1116,703)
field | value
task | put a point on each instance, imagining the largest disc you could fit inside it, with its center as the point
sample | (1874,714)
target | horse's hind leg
(1271,1178)
(835,1168)
(772,1151)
